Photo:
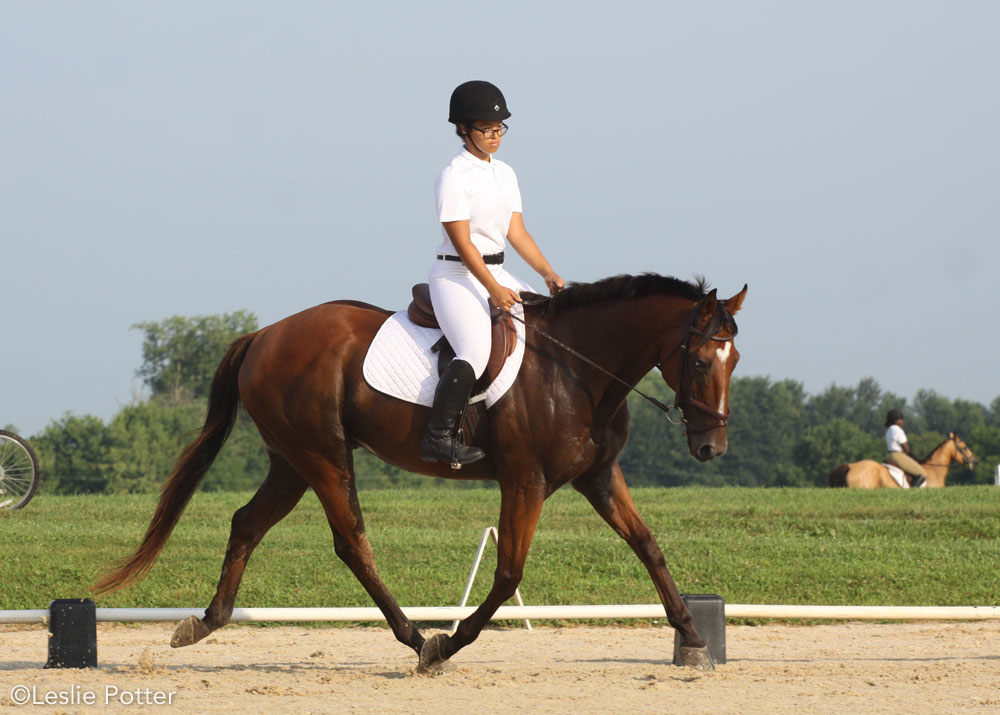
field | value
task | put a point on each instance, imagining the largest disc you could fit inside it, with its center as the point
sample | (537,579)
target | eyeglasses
(491,133)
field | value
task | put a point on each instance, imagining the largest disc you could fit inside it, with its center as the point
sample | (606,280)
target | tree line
(778,434)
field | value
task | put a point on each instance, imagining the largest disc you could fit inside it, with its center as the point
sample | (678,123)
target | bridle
(967,455)
(963,448)
(719,320)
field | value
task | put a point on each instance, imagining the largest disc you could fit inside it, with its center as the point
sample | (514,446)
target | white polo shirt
(484,193)
(895,438)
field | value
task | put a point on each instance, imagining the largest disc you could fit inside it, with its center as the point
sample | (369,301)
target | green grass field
(798,546)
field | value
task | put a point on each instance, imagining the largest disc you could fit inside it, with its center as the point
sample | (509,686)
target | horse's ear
(708,305)
(951,435)
(736,302)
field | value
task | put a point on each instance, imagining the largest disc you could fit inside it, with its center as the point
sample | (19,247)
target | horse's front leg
(520,508)
(607,492)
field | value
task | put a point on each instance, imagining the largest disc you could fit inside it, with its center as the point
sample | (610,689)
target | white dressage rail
(519,613)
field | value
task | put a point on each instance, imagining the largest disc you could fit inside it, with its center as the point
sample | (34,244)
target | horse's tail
(838,477)
(223,405)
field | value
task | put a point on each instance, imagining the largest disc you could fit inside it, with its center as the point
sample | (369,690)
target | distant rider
(899,449)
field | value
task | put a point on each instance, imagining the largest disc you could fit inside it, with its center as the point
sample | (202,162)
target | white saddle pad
(400,363)
(897,474)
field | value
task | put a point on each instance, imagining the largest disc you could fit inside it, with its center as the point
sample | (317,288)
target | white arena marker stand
(489,532)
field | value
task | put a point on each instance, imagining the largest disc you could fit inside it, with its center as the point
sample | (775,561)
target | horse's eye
(700,364)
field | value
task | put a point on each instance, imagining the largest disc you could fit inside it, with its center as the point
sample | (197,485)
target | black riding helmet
(477,101)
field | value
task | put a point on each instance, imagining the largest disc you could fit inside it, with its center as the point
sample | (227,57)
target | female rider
(479,206)
(899,449)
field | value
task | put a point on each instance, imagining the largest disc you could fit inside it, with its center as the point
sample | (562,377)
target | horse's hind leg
(609,495)
(278,495)
(334,486)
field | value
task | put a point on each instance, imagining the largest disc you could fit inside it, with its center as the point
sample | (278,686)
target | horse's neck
(625,334)
(943,454)
(936,465)
(625,337)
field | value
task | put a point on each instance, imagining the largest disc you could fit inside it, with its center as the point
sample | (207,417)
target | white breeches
(462,311)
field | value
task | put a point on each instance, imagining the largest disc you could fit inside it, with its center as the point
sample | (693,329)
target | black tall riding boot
(440,443)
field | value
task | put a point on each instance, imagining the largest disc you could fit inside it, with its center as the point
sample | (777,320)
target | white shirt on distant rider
(895,438)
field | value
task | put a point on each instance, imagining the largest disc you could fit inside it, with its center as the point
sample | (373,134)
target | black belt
(494,259)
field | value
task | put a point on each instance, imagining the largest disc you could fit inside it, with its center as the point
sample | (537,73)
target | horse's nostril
(707,451)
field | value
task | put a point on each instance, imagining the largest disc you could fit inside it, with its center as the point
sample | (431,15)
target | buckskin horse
(869,474)
(563,421)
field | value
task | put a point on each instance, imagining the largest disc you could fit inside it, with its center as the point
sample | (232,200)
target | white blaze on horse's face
(723,355)
(705,376)
(709,369)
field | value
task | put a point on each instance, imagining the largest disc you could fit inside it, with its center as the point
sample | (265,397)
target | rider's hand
(504,297)
(554,283)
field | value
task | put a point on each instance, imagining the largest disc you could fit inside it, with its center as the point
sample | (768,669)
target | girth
(504,337)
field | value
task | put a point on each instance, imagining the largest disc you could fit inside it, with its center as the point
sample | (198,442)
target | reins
(584,358)
(689,330)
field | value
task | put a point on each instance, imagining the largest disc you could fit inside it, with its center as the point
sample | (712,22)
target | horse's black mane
(581,295)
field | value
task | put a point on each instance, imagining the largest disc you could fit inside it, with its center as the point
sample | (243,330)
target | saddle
(504,340)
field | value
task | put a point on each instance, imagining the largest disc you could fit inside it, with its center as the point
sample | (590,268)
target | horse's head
(707,356)
(963,455)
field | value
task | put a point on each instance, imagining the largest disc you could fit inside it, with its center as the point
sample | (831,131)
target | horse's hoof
(698,658)
(190,630)
(432,660)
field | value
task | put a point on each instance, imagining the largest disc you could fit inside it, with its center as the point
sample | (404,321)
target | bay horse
(869,474)
(563,421)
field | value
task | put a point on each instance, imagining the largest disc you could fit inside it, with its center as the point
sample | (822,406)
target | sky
(198,158)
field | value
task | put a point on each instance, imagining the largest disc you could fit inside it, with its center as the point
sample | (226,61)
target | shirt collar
(469,156)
